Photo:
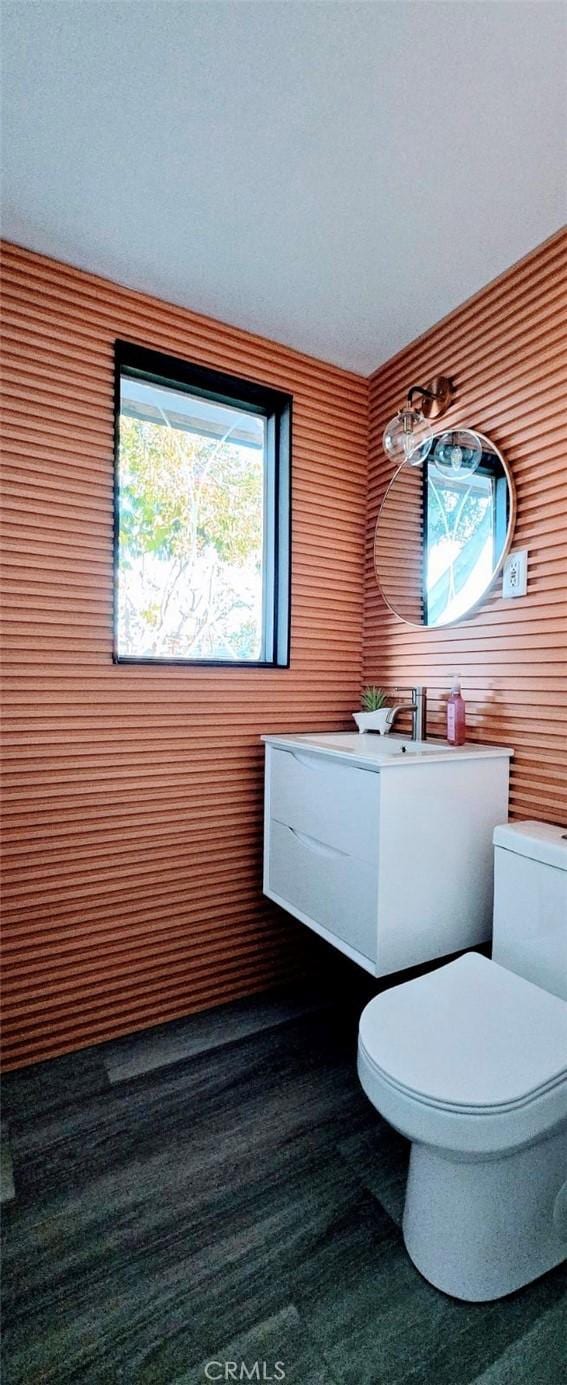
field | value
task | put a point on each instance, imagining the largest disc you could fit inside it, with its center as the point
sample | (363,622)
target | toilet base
(479,1229)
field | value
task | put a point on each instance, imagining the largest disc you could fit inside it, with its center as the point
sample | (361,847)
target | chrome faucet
(418,709)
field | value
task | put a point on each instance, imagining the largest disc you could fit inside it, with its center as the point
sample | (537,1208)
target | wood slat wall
(506,350)
(132,805)
(133,796)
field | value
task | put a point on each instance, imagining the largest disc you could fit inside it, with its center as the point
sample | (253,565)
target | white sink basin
(376,752)
(380,746)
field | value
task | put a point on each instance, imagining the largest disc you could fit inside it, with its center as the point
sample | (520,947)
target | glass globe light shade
(407,437)
(457,452)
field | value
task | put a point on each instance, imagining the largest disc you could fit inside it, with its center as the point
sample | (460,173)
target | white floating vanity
(382,845)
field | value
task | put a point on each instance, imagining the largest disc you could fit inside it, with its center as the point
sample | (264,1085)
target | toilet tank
(530,903)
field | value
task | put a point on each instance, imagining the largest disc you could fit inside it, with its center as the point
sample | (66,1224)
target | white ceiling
(336,176)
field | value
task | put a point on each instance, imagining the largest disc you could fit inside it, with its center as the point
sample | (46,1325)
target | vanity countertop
(385,752)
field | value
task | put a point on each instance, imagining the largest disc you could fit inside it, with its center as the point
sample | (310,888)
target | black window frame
(143,363)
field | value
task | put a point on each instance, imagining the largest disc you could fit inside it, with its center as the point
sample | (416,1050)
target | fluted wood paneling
(506,351)
(132,807)
(133,796)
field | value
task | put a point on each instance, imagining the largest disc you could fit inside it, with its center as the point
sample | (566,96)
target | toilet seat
(494,1108)
(470,1056)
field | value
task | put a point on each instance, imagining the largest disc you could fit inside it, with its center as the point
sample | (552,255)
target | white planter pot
(374,721)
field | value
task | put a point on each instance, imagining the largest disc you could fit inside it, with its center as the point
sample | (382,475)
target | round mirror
(444,529)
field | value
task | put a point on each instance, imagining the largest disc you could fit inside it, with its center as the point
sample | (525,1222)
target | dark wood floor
(238,1204)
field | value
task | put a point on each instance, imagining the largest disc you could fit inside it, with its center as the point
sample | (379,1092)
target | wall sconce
(408,436)
(457,452)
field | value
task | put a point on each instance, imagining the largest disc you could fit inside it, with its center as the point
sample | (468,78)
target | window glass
(461,514)
(192,526)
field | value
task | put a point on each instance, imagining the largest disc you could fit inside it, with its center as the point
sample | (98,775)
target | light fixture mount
(407,438)
(436,396)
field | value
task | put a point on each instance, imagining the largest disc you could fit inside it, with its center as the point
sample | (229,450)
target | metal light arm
(437,396)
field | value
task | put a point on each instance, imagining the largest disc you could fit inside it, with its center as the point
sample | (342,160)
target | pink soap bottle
(456,721)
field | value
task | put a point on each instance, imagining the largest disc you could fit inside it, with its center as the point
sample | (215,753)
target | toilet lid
(469,1035)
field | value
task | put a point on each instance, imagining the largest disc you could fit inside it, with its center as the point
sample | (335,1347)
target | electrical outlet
(515,580)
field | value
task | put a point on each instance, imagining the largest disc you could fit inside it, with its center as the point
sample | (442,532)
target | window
(466,519)
(202,514)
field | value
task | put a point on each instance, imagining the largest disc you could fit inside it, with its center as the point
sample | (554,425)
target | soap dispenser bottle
(456,723)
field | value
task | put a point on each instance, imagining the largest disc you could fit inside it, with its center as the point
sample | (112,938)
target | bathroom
(283,908)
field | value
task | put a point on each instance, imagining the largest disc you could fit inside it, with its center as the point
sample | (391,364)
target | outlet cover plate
(515,579)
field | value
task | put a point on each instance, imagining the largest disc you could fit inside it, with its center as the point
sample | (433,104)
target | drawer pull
(315,762)
(314,845)
(309,761)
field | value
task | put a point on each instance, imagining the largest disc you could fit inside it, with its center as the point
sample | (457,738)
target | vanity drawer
(333,802)
(330,887)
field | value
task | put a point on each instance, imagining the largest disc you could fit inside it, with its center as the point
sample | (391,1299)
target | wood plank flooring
(240,1204)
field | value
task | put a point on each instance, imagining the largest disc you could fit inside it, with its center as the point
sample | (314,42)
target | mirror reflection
(444,528)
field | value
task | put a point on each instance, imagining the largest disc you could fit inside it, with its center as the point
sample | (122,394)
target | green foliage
(454,513)
(191,534)
(182,493)
(373,699)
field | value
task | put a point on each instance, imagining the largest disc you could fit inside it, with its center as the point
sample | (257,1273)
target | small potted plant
(375,712)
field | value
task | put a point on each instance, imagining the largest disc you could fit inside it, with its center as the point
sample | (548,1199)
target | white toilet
(470,1063)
